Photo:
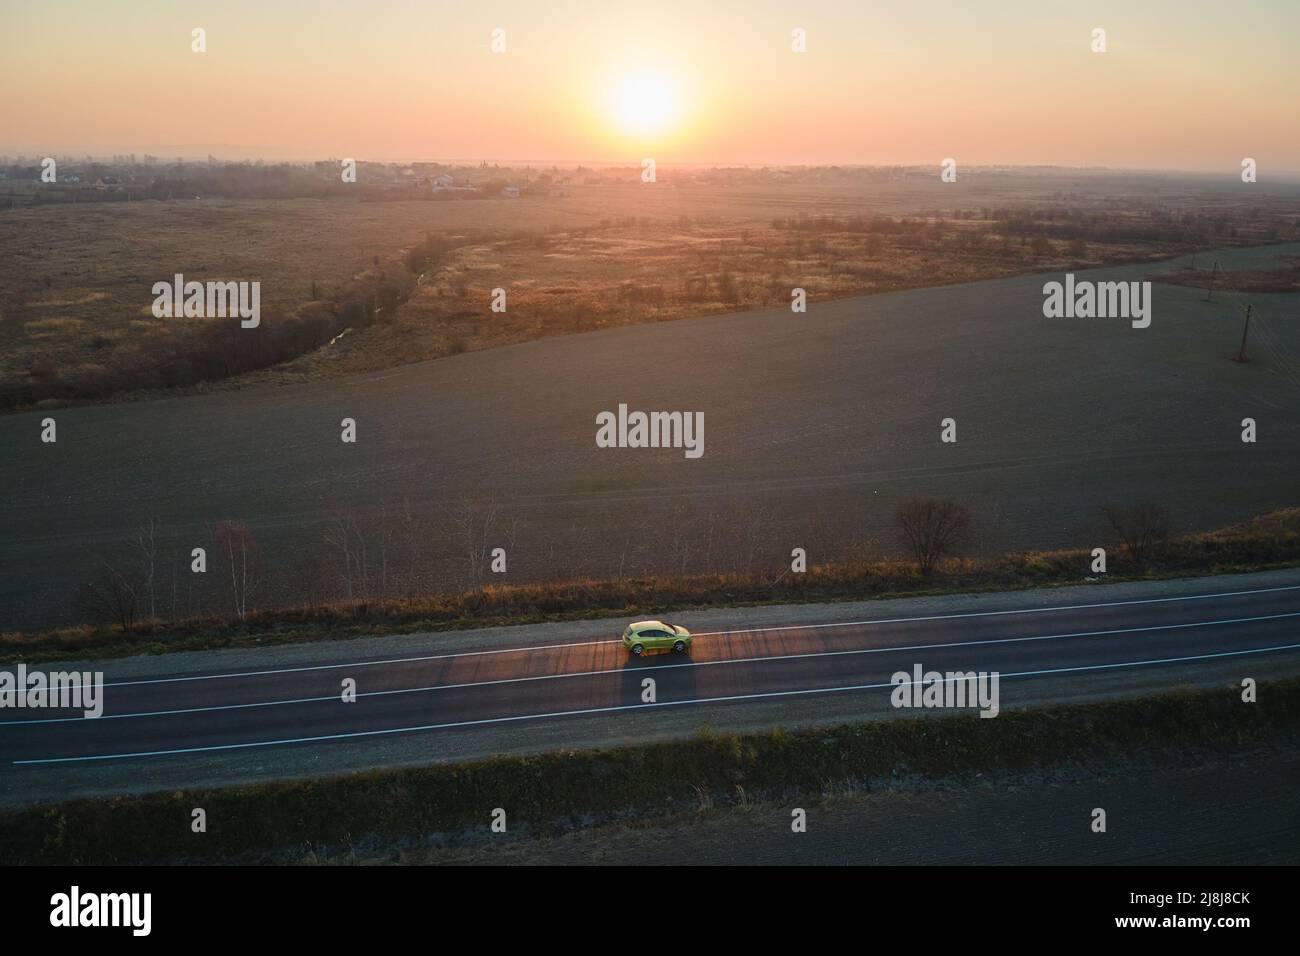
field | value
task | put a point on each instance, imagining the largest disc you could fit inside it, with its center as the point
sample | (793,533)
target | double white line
(612,709)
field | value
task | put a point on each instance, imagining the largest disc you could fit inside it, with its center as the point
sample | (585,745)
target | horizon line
(93,156)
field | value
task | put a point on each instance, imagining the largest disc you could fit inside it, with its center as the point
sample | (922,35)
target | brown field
(406,281)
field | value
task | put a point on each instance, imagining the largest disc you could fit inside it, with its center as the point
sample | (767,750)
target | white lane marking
(621,707)
(747,630)
(1027,610)
(660,667)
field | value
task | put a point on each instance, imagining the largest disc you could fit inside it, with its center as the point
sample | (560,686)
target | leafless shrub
(113,597)
(1141,528)
(931,528)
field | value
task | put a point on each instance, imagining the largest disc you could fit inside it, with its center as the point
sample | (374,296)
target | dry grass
(634,271)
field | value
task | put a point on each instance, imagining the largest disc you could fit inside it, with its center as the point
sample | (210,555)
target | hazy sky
(1184,84)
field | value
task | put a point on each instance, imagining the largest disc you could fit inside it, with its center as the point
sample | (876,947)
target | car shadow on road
(672,680)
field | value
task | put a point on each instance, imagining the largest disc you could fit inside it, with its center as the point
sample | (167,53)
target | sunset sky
(1183,85)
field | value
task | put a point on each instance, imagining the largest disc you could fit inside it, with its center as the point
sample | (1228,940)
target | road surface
(214,718)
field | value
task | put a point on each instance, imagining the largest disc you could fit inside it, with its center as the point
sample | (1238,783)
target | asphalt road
(815,425)
(484,694)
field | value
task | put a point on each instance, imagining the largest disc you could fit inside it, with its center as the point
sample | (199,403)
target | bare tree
(146,545)
(622,558)
(472,526)
(345,541)
(176,561)
(386,534)
(758,523)
(931,528)
(1141,528)
(236,544)
(112,596)
(414,533)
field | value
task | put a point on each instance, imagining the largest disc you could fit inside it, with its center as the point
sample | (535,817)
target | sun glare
(645,104)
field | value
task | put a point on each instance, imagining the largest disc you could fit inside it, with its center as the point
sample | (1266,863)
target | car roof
(642,625)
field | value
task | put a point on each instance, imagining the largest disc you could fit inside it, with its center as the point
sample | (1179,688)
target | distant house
(510,192)
(446,184)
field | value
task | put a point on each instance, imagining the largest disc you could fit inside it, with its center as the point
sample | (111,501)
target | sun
(645,104)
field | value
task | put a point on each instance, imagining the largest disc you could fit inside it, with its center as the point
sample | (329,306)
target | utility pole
(1241,352)
(1210,291)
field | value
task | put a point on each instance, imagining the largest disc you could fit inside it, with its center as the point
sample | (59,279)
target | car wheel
(637,650)
(680,647)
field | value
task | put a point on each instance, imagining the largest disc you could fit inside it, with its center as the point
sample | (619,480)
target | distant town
(29,180)
(34,180)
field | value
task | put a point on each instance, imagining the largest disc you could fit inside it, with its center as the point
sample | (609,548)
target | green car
(656,636)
